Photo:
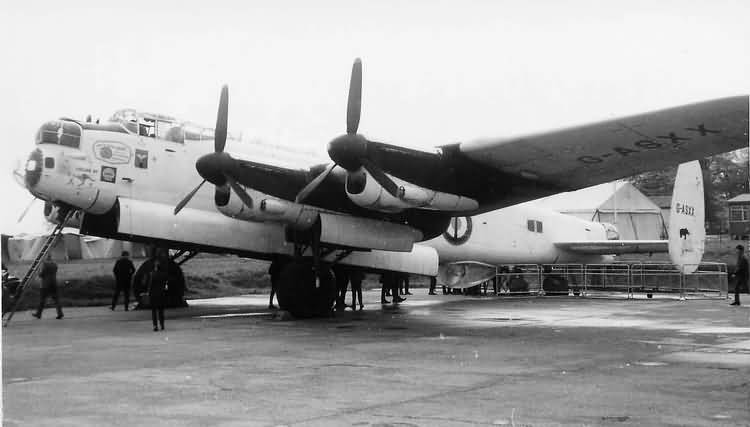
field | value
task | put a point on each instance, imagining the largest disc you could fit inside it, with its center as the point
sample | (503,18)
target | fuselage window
(534,226)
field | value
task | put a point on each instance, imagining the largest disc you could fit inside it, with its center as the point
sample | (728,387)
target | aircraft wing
(614,247)
(581,156)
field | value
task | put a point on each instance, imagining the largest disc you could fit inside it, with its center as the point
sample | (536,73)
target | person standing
(342,283)
(355,278)
(274,270)
(740,273)
(397,280)
(385,284)
(405,284)
(48,276)
(433,284)
(157,292)
(123,272)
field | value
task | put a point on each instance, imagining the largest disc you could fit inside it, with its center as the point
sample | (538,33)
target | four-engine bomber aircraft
(366,209)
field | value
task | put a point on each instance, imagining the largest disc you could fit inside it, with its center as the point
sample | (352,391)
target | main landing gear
(306,291)
(306,286)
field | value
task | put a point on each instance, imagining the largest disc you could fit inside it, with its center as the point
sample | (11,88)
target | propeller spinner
(350,151)
(215,166)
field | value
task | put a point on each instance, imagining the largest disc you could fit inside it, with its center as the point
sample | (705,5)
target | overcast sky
(435,72)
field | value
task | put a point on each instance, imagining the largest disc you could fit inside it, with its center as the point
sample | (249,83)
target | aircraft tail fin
(687,233)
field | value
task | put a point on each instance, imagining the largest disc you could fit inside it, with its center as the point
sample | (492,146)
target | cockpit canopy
(162,127)
(61,132)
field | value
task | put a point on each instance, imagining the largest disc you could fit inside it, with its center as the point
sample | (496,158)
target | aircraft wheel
(298,294)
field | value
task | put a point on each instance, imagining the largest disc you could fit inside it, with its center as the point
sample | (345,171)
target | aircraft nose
(33,169)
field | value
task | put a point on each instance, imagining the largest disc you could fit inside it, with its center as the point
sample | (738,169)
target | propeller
(246,199)
(350,151)
(25,211)
(312,185)
(220,131)
(354,104)
(187,198)
(214,165)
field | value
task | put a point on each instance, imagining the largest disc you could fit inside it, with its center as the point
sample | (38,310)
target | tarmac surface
(433,360)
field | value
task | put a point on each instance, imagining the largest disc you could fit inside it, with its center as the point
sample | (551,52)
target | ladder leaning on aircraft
(368,208)
(48,245)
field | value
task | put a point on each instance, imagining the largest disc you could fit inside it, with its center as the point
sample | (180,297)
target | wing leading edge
(581,156)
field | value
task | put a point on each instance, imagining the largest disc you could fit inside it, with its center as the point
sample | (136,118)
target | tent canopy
(618,203)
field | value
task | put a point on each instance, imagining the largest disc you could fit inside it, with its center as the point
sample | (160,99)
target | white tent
(619,203)
(70,246)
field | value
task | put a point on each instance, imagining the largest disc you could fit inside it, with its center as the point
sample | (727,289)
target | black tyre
(297,292)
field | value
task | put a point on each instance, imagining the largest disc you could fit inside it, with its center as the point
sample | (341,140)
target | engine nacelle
(335,229)
(366,192)
(295,215)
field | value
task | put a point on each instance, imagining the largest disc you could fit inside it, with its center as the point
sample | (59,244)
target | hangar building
(620,203)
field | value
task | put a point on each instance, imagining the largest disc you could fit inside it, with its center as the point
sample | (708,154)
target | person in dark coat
(385,284)
(157,291)
(342,283)
(355,278)
(123,272)
(405,284)
(390,280)
(740,273)
(48,276)
(433,284)
(274,270)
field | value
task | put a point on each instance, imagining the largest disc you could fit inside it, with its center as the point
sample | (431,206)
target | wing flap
(614,247)
(590,154)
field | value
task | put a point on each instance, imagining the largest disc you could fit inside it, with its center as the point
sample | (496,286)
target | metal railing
(710,280)
(519,279)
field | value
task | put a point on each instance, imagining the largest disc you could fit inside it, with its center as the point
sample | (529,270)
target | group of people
(343,276)
(157,281)
(157,285)
(393,284)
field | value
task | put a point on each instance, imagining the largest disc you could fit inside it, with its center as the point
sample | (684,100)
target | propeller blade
(25,211)
(246,199)
(354,105)
(187,198)
(220,132)
(312,185)
(380,176)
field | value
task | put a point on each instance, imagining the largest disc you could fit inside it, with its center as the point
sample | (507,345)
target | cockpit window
(60,132)
(147,127)
(164,127)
